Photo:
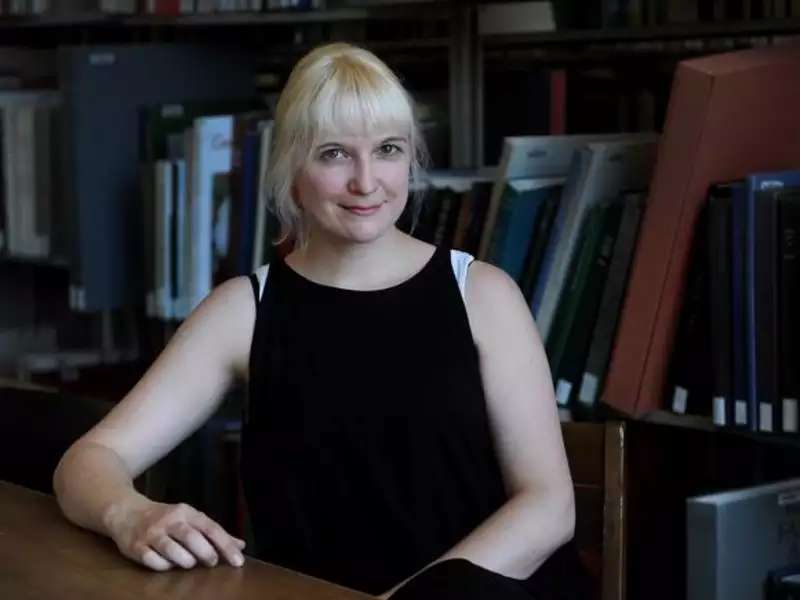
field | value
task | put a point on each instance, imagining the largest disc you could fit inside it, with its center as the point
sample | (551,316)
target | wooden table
(43,556)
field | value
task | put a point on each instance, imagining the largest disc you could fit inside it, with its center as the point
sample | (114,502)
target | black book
(3,225)
(479,197)
(611,302)
(691,382)
(743,416)
(789,304)
(719,264)
(428,218)
(767,333)
(579,338)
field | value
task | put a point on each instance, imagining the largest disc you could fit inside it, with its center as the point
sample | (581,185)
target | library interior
(567,370)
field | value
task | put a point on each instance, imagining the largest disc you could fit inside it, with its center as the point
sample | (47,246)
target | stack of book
(151,7)
(560,215)
(709,324)
(205,218)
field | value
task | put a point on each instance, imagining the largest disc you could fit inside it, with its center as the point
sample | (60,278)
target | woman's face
(354,187)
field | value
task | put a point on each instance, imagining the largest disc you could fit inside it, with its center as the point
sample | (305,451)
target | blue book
(578,170)
(516,221)
(250,161)
(761,267)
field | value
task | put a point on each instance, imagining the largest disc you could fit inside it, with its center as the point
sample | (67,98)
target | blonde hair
(336,88)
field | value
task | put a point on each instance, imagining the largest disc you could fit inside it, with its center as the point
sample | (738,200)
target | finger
(225,543)
(174,552)
(195,543)
(150,558)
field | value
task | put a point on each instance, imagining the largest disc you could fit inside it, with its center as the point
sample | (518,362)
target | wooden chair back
(596,454)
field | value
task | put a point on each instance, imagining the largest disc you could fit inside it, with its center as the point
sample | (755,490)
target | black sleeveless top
(366,449)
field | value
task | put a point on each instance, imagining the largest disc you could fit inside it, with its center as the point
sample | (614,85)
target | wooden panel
(584,443)
(589,534)
(589,504)
(614,509)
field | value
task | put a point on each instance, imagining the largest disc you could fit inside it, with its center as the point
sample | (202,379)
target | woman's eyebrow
(390,139)
(396,138)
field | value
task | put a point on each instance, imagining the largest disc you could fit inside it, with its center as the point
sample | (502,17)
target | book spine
(765,310)
(789,217)
(741,414)
(719,257)
(603,334)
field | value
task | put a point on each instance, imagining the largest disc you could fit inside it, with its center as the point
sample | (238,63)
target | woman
(400,412)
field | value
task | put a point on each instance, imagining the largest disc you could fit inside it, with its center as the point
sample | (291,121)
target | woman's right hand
(162,536)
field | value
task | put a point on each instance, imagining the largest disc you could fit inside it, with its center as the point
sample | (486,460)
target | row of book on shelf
(661,270)
(562,217)
(596,13)
(157,7)
(660,12)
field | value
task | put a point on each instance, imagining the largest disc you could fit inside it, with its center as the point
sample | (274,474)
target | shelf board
(435,10)
(701,423)
(646,34)
(48,262)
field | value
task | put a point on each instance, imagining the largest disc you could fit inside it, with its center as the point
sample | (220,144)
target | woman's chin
(366,233)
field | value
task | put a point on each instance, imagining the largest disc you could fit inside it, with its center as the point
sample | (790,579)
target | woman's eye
(332,154)
(389,149)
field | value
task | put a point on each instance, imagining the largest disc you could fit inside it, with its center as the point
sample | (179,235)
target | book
(606,169)
(611,301)
(788,201)
(719,259)
(26,202)
(691,363)
(516,221)
(743,417)
(761,301)
(164,230)
(212,155)
(568,345)
(533,262)
(708,137)
(262,232)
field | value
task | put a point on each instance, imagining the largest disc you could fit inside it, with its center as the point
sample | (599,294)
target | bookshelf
(426,10)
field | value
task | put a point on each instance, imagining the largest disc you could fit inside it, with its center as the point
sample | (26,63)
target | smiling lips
(362,211)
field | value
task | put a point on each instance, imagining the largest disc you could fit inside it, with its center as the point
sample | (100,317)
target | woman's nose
(363,181)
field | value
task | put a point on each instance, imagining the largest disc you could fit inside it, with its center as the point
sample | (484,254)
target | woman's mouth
(363,211)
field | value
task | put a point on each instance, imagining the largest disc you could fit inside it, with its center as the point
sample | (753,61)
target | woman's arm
(539,516)
(183,387)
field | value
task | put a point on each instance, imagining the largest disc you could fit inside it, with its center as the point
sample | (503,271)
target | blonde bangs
(358,101)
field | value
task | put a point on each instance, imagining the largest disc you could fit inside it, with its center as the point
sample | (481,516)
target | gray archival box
(735,538)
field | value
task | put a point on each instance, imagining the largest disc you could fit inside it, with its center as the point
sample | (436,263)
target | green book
(569,339)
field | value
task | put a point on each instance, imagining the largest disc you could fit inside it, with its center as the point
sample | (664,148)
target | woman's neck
(382,263)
